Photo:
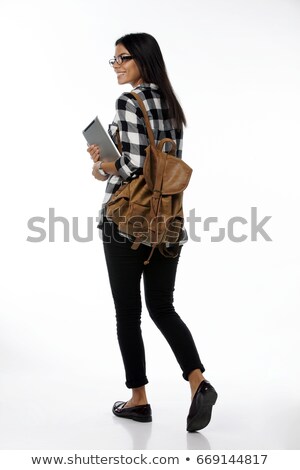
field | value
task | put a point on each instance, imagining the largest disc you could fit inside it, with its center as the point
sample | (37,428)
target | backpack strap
(157,193)
(162,161)
(147,122)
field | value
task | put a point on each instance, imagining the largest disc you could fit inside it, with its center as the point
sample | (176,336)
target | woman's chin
(122,80)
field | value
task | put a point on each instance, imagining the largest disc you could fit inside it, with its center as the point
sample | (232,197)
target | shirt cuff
(120,169)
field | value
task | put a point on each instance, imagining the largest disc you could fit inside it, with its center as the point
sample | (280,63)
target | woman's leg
(159,282)
(125,268)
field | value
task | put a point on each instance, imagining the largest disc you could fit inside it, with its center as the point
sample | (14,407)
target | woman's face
(128,71)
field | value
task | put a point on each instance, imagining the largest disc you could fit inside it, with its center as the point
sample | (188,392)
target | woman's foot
(130,403)
(201,408)
(141,413)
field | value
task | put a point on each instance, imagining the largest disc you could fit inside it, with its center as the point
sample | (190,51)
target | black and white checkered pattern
(133,134)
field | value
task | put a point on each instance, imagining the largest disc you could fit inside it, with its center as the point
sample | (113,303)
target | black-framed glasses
(119,59)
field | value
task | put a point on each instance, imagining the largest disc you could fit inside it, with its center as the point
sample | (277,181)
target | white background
(235,67)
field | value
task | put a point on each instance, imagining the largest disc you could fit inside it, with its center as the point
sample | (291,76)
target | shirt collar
(147,85)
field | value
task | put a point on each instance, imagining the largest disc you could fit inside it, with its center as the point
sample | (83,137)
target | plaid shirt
(130,122)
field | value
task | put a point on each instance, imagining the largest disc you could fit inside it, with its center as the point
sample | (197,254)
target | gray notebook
(96,134)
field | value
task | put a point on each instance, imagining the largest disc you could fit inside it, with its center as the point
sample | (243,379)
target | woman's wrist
(109,168)
(101,170)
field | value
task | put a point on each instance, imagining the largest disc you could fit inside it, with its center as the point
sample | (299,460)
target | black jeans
(125,268)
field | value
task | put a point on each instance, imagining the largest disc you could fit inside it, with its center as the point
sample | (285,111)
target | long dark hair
(146,52)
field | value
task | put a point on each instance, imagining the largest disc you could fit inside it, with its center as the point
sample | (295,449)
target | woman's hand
(108,167)
(94,151)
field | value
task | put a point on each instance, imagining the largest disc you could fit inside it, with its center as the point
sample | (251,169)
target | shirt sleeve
(179,141)
(133,136)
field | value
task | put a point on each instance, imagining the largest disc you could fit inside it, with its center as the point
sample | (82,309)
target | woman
(138,61)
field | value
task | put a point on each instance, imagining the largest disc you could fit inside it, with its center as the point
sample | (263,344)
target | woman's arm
(133,137)
(134,140)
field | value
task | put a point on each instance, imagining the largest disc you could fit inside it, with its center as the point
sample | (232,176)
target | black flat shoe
(200,410)
(141,413)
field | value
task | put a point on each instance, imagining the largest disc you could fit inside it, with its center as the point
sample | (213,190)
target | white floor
(70,411)
(61,369)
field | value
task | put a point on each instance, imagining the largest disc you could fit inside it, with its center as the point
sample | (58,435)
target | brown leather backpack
(149,207)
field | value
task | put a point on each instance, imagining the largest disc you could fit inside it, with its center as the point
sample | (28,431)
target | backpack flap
(176,176)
